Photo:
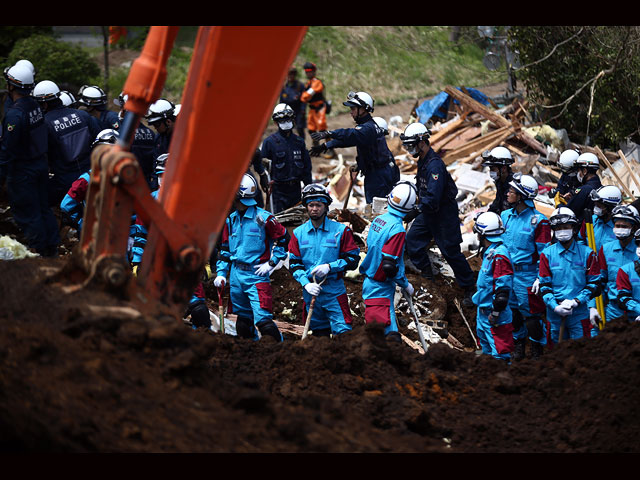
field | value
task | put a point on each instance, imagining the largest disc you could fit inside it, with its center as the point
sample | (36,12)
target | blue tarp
(438,106)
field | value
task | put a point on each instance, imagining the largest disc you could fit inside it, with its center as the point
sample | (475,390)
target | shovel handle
(307,323)
(221,310)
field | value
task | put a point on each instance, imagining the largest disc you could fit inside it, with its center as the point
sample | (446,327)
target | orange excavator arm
(235,77)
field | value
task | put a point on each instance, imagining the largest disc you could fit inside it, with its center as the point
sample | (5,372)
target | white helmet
(499,156)
(626,212)
(562,216)
(488,224)
(382,124)
(108,136)
(282,112)
(587,160)
(359,99)
(26,63)
(248,190)
(568,159)
(610,195)
(19,76)
(121,100)
(525,185)
(46,91)
(403,196)
(413,133)
(92,96)
(68,100)
(316,192)
(161,109)
(176,109)
(161,164)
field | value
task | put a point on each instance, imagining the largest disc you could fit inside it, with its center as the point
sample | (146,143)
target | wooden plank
(632,174)
(476,147)
(613,170)
(497,119)
(458,138)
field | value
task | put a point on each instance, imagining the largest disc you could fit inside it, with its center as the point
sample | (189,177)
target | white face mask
(563,235)
(638,252)
(414,151)
(622,232)
(579,176)
(597,211)
(494,175)
(285,125)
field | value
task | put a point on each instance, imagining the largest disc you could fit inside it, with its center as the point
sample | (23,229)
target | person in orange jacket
(314,96)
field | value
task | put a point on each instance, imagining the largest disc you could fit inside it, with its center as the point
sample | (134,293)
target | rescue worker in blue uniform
(253,244)
(569,277)
(499,161)
(383,266)
(374,160)
(93,99)
(73,204)
(612,256)
(321,250)
(290,94)
(527,234)
(71,134)
(437,214)
(162,118)
(138,231)
(568,181)
(23,153)
(605,199)
(628,284)
(580,201)
(290,161)
(142,145)
(494,289)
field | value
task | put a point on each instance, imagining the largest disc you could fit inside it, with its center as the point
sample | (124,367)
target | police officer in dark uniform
(580,202)
(499,161)
(290,95)
(24,153)
(374,159)
(71,133)
(142,145)
(290,161)
(94,101)
(161,117)
(437,216)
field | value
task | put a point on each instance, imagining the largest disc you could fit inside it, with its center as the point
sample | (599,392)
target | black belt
(524,267)
(287,182)
(243,266)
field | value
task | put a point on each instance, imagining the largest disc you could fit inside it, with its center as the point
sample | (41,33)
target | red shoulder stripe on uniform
(394,245)
(502,266)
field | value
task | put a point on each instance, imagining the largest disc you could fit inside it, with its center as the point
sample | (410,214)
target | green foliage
(563,80)
(9,35)
(393,63)
(69,66)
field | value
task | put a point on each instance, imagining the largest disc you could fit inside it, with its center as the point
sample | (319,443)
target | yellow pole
(592,244)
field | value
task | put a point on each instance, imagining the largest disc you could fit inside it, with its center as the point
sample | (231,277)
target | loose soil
(72,381)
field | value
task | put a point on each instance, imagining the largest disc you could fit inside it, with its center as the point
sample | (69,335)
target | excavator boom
(234,79)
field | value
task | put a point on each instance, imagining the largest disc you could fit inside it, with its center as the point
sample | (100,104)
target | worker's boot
(536,350)
(321,332)
(245,328)
(270,329)
(393,337)
(468,294)
(519,350)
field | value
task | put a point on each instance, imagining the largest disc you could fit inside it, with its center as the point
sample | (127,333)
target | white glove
(638,318)
(313,289)
(535,288)
(562,310)
(220,281)
(321,270)
(409,289)
(264,270)
(569,303)
(594,316)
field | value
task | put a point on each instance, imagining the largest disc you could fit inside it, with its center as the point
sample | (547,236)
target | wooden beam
(631,172)
(497,119)
(613,170)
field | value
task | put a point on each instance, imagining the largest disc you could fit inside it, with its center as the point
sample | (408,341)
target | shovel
(221,310)
(415,316)
(311,305)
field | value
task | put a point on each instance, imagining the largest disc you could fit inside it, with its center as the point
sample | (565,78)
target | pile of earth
(73,381)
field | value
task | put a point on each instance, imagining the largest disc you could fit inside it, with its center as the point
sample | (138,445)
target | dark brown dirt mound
(72,382)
